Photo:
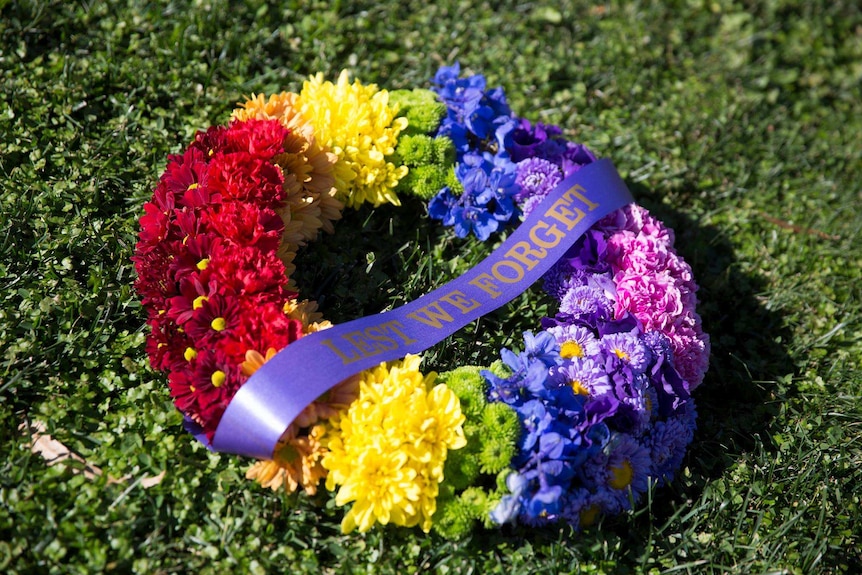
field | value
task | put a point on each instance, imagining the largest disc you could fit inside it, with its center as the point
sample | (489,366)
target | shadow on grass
(740,396)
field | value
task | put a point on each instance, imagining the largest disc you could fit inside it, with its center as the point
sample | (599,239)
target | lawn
(737,123)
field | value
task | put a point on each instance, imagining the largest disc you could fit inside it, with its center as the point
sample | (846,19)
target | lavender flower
(584,376)
(620,471)
(536,177)
(628,349)
(575,341)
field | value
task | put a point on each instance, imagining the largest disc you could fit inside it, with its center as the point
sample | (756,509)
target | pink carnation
(691,354)
(654,299)
(656,285)
(637,253)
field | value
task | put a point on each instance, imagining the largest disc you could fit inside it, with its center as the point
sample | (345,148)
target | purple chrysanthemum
(629,349)
(536,178)
(621,470)
(575,341)
(584,376)
(585,301)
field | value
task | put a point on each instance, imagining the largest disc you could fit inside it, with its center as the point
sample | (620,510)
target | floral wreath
(577,424)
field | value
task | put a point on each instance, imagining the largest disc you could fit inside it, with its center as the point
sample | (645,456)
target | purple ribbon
(285,385)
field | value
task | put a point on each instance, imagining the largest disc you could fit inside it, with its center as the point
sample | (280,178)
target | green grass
(737,123)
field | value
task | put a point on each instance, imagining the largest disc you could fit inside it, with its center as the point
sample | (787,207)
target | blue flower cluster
(603,411)
(502,159)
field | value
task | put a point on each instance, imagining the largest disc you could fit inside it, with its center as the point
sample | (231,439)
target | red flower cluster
(208,272)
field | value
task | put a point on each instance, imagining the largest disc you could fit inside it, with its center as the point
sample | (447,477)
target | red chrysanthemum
(263,138)
(244,270)
(246,225)
(244,177)
(208,266)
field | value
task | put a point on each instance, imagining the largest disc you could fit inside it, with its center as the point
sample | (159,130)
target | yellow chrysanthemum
(387,450)
(358,125)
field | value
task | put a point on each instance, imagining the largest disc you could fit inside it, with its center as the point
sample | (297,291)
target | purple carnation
(536,177)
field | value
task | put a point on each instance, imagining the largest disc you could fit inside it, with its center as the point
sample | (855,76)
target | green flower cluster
(476,474)
(430,160)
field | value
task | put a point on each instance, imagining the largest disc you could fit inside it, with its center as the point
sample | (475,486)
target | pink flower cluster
(656,286)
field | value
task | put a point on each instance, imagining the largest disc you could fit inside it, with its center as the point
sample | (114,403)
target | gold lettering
(376,334)
(486,283)
(459,300)
(554,233)
(345,359)
(560,211)
(524,253)
(519,271)
(576,192)
(433,314)
(395,326)
(359,341)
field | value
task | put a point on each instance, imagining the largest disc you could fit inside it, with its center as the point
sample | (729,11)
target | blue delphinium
(476,120)
(558,428)
(479,123)
(486,203)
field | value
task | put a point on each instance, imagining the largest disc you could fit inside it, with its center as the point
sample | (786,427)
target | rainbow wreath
(575,425)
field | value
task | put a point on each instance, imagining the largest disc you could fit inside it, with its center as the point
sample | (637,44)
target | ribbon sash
(271,399)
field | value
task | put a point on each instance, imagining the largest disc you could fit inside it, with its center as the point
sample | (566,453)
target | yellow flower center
(190,353)
(192,186)
(199,301)
(571,349)
(202,265)
(218,324)
(621,354)
(218,378)
(589,515)
(621,476)
(579,388)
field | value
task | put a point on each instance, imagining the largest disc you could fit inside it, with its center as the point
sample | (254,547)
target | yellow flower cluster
(387,450)
(357,124)
(335,153)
